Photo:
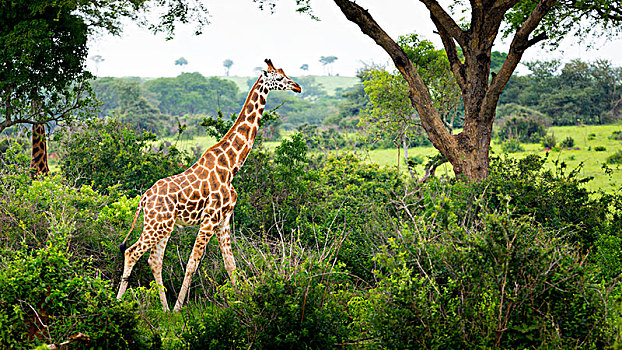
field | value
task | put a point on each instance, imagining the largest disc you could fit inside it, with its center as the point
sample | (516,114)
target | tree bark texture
(468,151)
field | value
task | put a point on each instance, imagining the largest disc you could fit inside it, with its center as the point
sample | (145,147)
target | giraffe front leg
(155,262)
(224,240)
(205,233)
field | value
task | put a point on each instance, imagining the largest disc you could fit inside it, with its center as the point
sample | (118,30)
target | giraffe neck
(39,160)
(238,141)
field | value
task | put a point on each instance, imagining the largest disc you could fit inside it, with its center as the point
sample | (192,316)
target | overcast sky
(241,32)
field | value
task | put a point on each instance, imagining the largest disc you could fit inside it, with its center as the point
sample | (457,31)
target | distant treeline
(577,93)
(163,105)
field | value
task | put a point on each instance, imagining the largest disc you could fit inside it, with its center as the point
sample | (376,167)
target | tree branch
(418,92)
(520,43)
(442,19)
(457,67)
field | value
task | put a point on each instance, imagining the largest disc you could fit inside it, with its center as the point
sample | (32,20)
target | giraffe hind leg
(133,253)
(155,262)
(224,241)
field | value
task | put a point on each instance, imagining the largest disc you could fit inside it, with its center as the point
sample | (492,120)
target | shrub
(105,153)
(511,146)
(548,141)
(568,142)
(616,135)
(600,148)
(615,158)
(591,137)
(528,128)
(290,300)
(499,282)
(49,298)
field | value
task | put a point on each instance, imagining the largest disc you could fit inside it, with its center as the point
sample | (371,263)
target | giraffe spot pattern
(202,194)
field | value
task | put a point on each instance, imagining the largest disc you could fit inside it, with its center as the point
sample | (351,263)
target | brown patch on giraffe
(187,191)
(262,100)
(243,130)
(213,181)
(254,97)
(209,161)
(222,161)
(249,108)
(251,118)
(204,189)
(253,133)
(222,175)
(232,155)
(260,111)
(191,178)
(163,188)
(237,142)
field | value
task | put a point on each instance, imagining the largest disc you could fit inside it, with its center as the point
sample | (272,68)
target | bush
(568,142)
(616,135)
(501,282)
(511,146)
(530,128)
(105,153)
(290,300)
(615,158)
(49,298)
(600,148)
(548,142)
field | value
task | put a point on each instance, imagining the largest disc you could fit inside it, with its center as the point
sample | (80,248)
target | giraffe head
(275,79)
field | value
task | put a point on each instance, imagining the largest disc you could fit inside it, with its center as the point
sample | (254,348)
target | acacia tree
(525,22)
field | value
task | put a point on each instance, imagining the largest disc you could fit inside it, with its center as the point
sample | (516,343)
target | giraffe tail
(123,245)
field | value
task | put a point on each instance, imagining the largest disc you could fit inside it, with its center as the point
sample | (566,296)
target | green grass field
(329,83)
(583,152)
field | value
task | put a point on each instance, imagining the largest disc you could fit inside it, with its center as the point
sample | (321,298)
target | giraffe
(39,159)
(202,195)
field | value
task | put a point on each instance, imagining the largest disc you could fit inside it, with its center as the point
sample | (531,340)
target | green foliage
(192,93)
(616,135)
(497,282)
(568,142)
(526,128)
(288,301)
(47,297)
(511,146)
(105,153)
(600,148)
(341,197)
(582,93)
(548,142)
(39,39)
(615,158)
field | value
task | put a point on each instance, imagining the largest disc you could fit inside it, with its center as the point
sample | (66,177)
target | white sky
(241,32)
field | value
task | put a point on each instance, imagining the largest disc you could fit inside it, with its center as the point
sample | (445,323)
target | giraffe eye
(279,78)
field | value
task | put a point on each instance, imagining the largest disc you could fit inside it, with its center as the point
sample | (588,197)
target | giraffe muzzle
(296,88)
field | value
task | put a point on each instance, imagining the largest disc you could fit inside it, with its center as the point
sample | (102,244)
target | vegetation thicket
(332,252)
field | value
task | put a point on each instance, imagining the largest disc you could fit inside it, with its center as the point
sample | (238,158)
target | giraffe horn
(270,65)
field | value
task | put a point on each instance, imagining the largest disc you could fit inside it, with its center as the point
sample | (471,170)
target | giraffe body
(202,195)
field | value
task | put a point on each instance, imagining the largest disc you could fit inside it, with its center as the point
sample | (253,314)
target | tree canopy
(43,50)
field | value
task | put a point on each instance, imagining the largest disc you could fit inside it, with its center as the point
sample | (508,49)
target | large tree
(525,22)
